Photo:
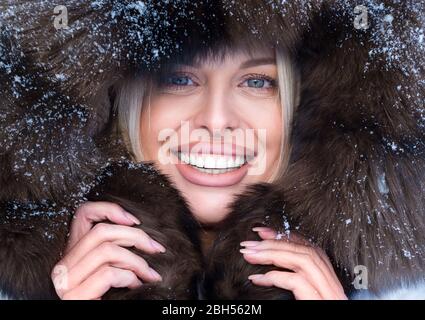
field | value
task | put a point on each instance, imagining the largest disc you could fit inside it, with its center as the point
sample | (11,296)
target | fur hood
(56,83)
(356,180)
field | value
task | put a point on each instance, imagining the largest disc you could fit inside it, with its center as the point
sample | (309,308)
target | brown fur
(356,180)
(33,236)
(226,272)
(165,217)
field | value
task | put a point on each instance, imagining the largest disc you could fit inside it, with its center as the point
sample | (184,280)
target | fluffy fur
(165,217)
(57,128)
(226,272)
(56,84)
(33,236)
(356,180)
(355,183)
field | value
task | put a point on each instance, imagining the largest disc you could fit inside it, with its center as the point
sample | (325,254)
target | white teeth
(184,157)
(230,163)
(212,163)
(209,162)
(221,163)
(239,159)
(199,162)
(214,171)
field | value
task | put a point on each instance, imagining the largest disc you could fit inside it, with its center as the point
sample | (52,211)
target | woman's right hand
(96,258)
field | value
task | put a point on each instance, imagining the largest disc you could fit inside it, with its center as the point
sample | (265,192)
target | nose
(217,112)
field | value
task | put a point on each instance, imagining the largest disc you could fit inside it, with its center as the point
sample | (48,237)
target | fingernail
(157,246)
(132,218)
(255,276)
(155,274)
(261,229)
(250,243)
(248,251)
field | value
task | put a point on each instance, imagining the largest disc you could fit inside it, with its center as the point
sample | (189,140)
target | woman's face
(214,128)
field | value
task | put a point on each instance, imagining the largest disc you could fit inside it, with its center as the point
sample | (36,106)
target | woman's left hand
(313,277)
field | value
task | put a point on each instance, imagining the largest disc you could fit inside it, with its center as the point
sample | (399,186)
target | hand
(96,258)
(313,277)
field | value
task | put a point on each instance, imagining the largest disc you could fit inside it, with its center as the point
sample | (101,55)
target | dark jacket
(355,181)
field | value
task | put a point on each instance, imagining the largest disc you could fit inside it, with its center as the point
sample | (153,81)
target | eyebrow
(257,62)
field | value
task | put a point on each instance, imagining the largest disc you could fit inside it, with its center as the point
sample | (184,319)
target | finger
(294,282)
(279,245)
(304,247)
(113,255)
(325,258)
(265,232)
(121,235)
(294,237)
(101,281)
(91,212)
(299,239)
(297,262)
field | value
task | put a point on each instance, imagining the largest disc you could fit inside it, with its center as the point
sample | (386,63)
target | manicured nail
(248,251)
(250,243)
(155,274)
(132,218)
(255,276)
(262,229)
(157,246)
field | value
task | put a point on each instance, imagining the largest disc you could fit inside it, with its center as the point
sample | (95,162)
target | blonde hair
(132,94)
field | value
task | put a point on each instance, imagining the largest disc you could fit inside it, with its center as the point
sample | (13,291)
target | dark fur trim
(33,237)
(356,180)
(165,217)
(46,148)
(57,99)
(226,272)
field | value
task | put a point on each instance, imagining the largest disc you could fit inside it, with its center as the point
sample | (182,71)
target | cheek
(164,115)
(274,132)
(265,118)
(147,138)
(153,121)
(269,140)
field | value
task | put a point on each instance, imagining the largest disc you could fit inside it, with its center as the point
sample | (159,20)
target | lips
(213,165)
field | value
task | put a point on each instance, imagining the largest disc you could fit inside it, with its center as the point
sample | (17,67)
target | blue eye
(256,83)
(180,81)
(259,82)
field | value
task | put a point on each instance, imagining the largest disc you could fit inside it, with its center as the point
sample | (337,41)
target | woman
(357,119)
(240,92)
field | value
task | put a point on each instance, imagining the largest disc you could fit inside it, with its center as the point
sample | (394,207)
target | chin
(209,205)
(209,218)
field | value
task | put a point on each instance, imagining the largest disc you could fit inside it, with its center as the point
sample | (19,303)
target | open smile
(210,169)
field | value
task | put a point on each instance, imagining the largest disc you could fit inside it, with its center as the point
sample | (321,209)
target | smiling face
(215,127)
